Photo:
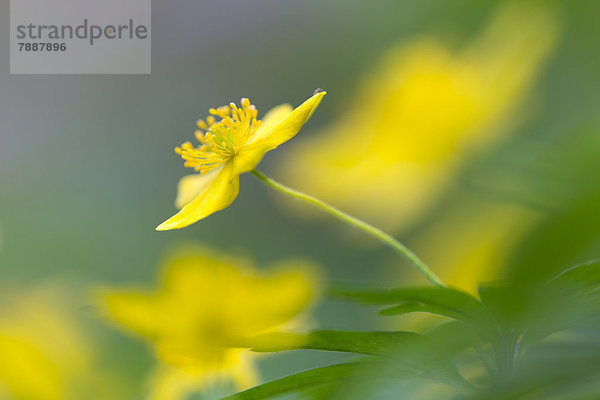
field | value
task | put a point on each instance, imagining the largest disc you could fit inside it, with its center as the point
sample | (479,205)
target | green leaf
(371,343)
(451,338)
(408,308)
(411,354)
(442,301)
(319,382)
(585,275)
(296,382)
(570,300)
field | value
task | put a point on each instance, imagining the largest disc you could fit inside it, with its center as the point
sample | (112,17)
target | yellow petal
(271,119)
(275,299)
(190,186)
(133,309)
(169,383)
(251,154)
(27,372)
(218,195)
(244,373)
(172,383)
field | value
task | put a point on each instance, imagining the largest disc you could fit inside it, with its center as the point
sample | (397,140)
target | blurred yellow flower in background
(40,346)
(421,115)
(44,351)
(205,312)
(229,147)
(470,245)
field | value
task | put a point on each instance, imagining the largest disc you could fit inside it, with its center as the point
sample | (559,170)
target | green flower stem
(371,230)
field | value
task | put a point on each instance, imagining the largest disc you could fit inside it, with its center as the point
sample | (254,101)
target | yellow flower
(45,353)
(421,115)
(472,243)
(230,146)
(40,346)
(204,314)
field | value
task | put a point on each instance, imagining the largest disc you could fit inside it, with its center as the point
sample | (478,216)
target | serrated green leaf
(318,382)
(411,354)
(296,382)
(370,343)
(408,308)
(451,338)
(443,301)
(568,301)
(585,275)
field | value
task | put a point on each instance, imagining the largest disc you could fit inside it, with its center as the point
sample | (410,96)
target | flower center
(220,140)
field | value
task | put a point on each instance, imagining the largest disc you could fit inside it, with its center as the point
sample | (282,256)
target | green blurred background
(87,168)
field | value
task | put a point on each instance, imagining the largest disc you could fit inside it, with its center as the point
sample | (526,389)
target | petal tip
(165,226)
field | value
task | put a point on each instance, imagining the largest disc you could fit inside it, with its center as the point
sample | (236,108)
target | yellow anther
(222,111)
(202,125)
(200,136)
(222,139)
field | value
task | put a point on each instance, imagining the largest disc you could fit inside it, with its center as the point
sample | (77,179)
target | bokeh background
(87,168)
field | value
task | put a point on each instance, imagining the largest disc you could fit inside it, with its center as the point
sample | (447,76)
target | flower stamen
(220,140)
